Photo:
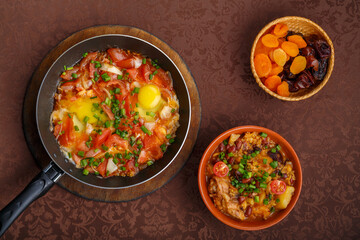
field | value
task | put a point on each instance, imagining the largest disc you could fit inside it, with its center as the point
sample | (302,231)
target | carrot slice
(262,65)
(273,82)
(298,40)
(270,40)
(280,30)
(298,65)
(290,48)
(283,89)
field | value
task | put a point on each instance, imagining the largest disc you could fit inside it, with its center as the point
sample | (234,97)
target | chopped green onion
(83,163)
(145,130)
(273,150)
(256,199)
(163,147)
(264,160)
(136,90)
(93,97)
(76,128)
(107,124)
(117,90)
(172,140)
(151,114)
(272,209)
(263,185)
(144,61)
(65,67)
(70,68)
(86,172)
(225,142)
(74,75)
(81,153)
(230,154)
(274,164)
(173,110)
(277,200)
(85,54)
(97,64)
(264,135)
(123,168)
(86,119)
(266,201)
(168,136)
(105,77)
(278,147)
(119,77)
(115,160)
(69,154)
(105,148)
(253,154)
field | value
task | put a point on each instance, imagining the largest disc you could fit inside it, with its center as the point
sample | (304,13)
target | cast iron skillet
(60,165)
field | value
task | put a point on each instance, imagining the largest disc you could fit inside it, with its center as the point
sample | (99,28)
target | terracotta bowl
(306,27)
(245,225)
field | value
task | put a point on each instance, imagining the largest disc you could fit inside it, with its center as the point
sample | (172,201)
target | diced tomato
(160,134)
(82,146)
(277,187)
(91,70)
(100,139)
(68,73)
(92,153)
(102,168)
(162,79)
(130,104)
(84,62)
(134,73)
(99,93)
(152,146)
(116,140)
(220,169)
(127,63)
(67,132)
(76,159)
(145,70)
(143,158)
(108,111)
(131,169)
(117,54)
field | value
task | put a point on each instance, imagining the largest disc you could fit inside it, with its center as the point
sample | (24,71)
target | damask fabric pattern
(214,38)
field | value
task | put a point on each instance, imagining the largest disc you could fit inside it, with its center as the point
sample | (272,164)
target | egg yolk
(86,107)
(149,96)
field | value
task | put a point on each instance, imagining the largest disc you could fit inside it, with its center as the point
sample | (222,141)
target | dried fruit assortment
(287,61)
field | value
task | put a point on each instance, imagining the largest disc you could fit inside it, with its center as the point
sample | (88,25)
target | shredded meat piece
(225,197)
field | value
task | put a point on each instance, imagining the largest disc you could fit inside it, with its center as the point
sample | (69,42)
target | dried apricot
(279,57)
(271,55)
(276,69)
(273,82)
(283,89)
(280,30)
(298,65)
(260,48)
(270,40)
(281,40)
(290,48)
(298,40)
(262,65)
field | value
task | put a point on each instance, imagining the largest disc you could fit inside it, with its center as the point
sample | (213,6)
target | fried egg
(150,101)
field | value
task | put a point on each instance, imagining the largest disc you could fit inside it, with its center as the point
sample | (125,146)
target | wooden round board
(83,190)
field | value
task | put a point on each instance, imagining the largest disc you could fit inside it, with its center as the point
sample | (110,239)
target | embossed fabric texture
(214,38)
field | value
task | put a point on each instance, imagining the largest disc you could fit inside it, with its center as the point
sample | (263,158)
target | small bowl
(245,225)
(306,27)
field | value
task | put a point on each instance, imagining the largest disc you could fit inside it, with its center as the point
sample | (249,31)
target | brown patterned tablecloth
(214,38)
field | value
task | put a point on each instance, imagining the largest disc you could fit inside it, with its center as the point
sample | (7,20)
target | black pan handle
(36,188)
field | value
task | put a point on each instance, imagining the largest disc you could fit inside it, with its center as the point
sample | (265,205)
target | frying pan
(59,164)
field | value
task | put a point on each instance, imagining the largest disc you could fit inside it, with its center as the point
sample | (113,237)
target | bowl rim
(317,88)
(254,225)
